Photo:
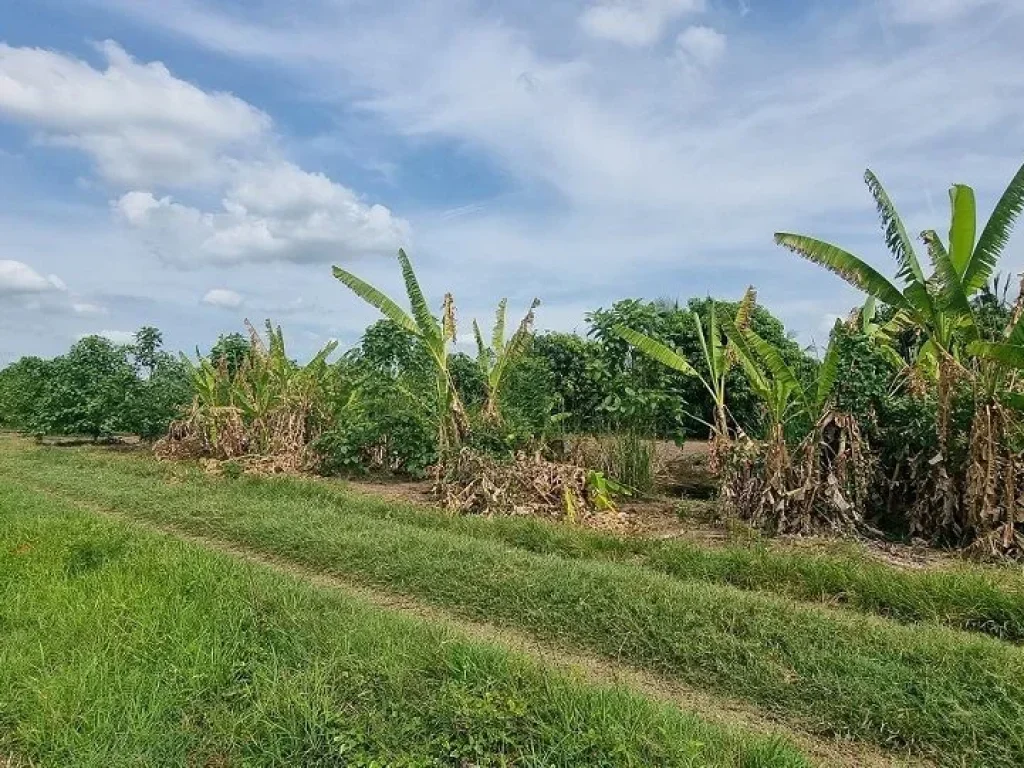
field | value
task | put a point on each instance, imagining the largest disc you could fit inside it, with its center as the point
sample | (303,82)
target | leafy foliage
(643,392)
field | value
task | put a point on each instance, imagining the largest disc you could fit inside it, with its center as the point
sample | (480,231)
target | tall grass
(123,648)
(626,456)
(937,692)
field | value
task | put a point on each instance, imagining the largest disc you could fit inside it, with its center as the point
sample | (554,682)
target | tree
(88,390)
(146,349)
(717,359)
(578,377)
(232,350)
(667,401)
(22,384)
(816,479)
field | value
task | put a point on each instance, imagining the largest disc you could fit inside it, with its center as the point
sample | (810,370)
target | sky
(190,164)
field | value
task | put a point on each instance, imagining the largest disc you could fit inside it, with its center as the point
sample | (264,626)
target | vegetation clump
(265,412)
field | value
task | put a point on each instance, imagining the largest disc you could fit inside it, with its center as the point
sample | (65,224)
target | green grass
(124,648)
(981,599)
(955,696)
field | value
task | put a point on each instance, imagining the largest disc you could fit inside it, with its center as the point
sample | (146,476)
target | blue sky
(188,164)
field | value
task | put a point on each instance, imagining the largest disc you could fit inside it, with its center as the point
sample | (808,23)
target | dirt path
(593,669)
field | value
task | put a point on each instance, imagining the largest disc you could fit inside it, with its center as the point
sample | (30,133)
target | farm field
(280,621)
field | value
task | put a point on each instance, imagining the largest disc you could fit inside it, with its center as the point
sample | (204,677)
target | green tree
(22,384)
(642,391)
(717,358)
(577,376)
(88,391)
(146,349)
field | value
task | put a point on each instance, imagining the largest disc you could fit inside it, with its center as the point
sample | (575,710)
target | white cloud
(270,212)
(635,22)
(700,46)
(147,129)
(223,298)
(17,277)
(139,123)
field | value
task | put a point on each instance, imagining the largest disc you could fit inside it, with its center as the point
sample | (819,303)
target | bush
(379,428)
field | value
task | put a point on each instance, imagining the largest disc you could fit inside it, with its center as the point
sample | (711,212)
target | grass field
(891,669)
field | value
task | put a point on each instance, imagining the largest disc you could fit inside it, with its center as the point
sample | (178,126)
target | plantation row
(909,421)
(924,690)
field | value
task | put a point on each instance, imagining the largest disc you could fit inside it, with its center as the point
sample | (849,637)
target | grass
(980,599)
(125,648)
(955,696)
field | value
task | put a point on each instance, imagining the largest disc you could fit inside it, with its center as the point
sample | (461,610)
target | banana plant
(718,358)
(939,304)
(452,424)
(494,361)
(775,381)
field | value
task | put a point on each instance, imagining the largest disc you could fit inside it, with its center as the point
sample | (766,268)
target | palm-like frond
(655,350)
(705,348)
(962,227)
(778,368)
(515,347)
(448,326)
(952,290)
(1015,333)
(827,374)
(995,235)
(759,382)
(483,356)
(896,237)
(745,311)
(377,299)
(420,311)
(999,352)
(853,270)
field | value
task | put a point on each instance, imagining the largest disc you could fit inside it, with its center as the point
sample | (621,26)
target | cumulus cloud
(224,298)
(635,22)
(17,277)
(139,123)
(148,130)
(271,212)
(700,47)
